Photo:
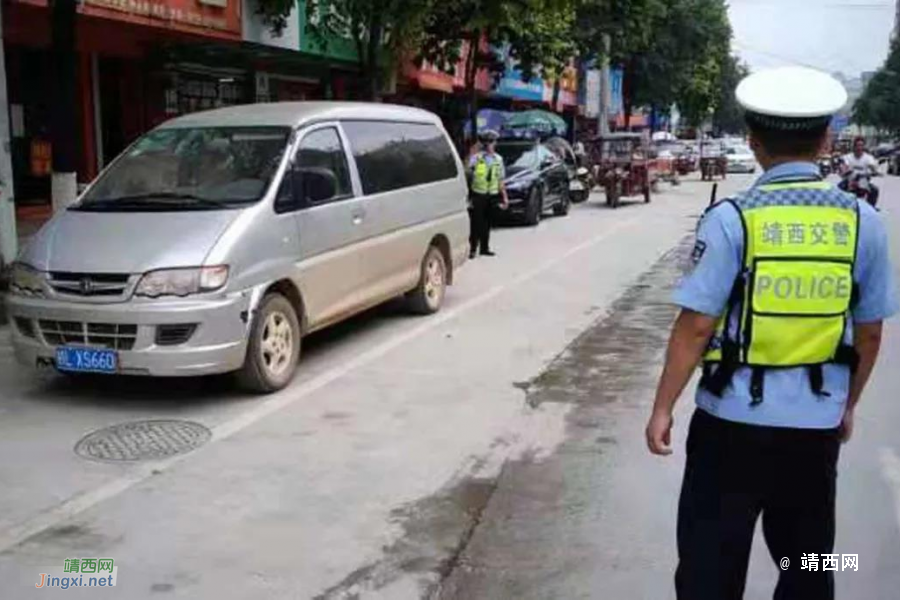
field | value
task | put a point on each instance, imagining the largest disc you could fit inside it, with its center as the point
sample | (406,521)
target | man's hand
(504,202)
(659,433)
(847,427)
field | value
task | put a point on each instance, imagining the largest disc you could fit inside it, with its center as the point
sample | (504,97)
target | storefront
(126,80)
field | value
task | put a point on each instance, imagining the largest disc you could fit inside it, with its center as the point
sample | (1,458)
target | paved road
(491,451)
(596,518)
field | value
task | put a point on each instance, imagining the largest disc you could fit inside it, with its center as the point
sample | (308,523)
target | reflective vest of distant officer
(486,174)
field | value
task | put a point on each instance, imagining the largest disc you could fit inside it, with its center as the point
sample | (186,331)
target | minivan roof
(293,114)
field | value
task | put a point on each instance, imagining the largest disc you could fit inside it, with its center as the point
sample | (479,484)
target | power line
(836,5)
(788,59)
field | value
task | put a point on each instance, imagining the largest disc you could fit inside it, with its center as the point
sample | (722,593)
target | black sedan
(537,180)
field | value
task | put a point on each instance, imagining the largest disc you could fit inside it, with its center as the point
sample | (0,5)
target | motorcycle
(859,183)
(580,187)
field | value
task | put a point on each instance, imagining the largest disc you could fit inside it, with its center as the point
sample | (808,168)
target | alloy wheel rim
(277,344)
(434,281)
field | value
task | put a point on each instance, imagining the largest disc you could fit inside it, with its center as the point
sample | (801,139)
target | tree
(537,34)
(670,51)
(728,116)
(879,104)
(453,32)
(384,31)
(543,40)
(275,13)
(630,26)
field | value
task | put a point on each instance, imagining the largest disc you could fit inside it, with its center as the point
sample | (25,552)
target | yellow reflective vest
(486,175)
(791,303)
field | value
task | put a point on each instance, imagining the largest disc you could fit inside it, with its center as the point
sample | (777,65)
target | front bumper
(741,167)
(218,344)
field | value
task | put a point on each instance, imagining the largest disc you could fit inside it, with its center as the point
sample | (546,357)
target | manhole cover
(143,440)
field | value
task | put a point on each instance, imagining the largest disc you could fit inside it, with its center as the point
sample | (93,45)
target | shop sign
(592,93)
(512,85)
(616,100)
(215,15)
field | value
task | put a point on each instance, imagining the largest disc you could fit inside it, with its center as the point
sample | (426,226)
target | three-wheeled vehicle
(713,162)
(686,162)
(621,165)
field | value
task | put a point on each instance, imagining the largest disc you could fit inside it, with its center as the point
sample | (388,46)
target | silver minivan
(219,239)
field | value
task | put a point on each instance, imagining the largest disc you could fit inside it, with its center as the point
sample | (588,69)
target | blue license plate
(86,360)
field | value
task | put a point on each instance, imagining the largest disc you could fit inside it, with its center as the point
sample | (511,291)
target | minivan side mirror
(312,185)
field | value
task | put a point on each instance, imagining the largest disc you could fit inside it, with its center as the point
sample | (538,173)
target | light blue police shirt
(788,399)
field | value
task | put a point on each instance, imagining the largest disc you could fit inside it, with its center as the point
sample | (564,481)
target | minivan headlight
(182,282)
(25,278)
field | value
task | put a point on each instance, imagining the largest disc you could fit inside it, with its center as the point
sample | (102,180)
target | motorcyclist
(860,163)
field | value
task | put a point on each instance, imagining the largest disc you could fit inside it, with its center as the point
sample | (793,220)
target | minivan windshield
(191,169)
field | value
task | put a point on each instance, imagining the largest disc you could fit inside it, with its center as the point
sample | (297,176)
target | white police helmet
(790,98)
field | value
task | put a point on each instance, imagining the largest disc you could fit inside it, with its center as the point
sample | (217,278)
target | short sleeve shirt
(789,401)
(864,162)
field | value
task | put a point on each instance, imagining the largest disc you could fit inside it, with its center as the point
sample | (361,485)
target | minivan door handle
(358,216)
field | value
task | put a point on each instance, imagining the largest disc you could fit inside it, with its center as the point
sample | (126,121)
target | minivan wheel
(428,296)
(274,346)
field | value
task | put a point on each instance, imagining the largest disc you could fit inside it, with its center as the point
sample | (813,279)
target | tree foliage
(275,13)
(728,116)
(537,34)
(384,32)
(879,104)
(671,51)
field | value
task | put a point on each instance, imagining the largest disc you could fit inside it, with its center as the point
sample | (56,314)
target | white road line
(890,471)
(79,503)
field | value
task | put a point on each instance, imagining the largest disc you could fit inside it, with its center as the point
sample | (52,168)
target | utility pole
(8,236)
(605,99)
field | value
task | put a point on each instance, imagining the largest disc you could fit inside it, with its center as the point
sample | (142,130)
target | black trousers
(480,221)
(734,474)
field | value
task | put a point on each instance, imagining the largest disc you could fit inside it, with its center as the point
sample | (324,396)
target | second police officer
(486,190)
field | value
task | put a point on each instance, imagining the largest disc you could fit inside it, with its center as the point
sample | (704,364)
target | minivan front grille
(114,336)
(89,284)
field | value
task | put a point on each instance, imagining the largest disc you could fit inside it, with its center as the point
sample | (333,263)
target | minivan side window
(392,155)
(322,149)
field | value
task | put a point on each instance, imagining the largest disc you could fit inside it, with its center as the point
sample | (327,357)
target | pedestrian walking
(486,190)
(784,308)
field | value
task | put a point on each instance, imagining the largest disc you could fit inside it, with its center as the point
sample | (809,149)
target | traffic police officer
(486,175)
(784,309)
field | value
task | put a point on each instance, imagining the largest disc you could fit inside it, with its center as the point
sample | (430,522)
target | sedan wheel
(561,208)
(535,207)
